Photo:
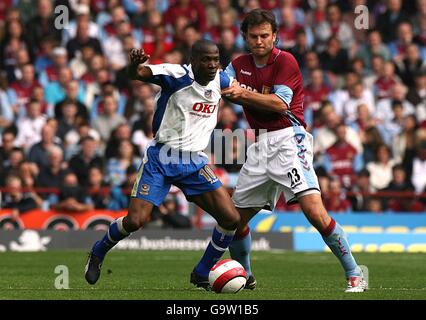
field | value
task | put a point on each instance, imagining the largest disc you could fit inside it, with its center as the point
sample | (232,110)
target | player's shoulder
(286,57)
(242,60)
(169,69)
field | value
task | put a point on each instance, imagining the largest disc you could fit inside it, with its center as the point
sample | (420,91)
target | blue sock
(220,241)
(114,234)
(240,248)
(336,240)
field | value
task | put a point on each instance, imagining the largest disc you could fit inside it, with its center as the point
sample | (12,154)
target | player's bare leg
(241,244)
(219,205)
(335,238)
(138,215)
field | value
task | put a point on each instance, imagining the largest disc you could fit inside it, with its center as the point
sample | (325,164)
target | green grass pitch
(159,275)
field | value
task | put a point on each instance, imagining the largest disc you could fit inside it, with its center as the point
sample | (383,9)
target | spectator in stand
(51,72)
(6,111)
(334,59)
(99,190)
(398,48)
(73,137)
(38,95)
(16,157)
(227,47)
(157,40)
(384,107)
(334,27)
(411,64)
(335,200)
(42,25)
(116,57)
(73,93)
(399,184)
(300,48)
(310,62)
(394,127)
(325,136)
(21,58)
(107,89)
(215,7)
(288,28)
(373,47)
(21,90)
(120,195)
(388,21)
(385,81)
(80,64)
(420,25)
(377,64)
(417,95)
(72,197)
(341,159)
(315,93)
(45,57)
(38,153)
(360,191)
(116,167)
(375,205)
(227,22)
(87,158)
(82,39)
(14,39)
(192,9)
(358,94)
(190,36)
(18,200)
(30,126)
(8,138)
(52,175)
(170,216)
(381,169)
(317,12)
(108,120)
(56,91)
(418,176)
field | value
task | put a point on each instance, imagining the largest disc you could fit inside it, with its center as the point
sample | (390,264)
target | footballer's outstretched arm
(267,102)
(136,70)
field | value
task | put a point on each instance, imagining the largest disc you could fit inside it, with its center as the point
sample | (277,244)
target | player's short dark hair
(200,46)
(257,17)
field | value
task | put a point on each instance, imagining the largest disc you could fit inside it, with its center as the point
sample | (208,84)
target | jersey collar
(274,55)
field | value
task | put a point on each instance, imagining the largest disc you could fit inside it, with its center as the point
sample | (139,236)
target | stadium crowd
(74,128)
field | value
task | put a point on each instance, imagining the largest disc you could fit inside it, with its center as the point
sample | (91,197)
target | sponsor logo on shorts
(144,189)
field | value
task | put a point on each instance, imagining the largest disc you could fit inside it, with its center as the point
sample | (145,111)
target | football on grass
(227,276)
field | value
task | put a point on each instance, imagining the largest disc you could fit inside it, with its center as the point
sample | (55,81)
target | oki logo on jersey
(203,107)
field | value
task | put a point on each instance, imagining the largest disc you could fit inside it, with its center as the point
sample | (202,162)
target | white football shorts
(280,161)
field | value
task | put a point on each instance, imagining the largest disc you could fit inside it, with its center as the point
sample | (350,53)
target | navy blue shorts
(160,169)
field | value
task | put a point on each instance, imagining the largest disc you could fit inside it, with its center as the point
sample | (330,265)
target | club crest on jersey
(144,189)
(208,93)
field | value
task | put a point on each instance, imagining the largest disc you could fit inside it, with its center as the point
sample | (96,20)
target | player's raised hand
(138,56)
(136,70)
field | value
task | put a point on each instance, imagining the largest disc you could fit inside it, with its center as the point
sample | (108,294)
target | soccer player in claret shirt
(271,92)
(183,122)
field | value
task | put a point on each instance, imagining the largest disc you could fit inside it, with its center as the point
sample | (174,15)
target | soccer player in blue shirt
(184,119)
